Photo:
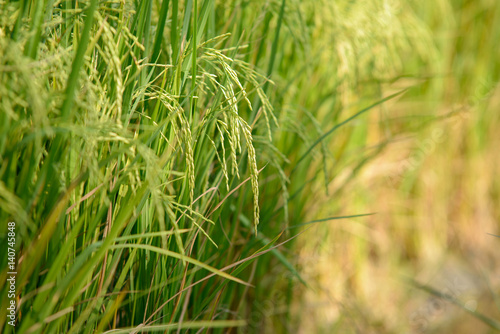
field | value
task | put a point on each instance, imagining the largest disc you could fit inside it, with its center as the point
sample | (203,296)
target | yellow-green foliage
(154,153)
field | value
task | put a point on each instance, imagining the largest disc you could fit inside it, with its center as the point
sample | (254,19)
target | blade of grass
(162,20)
(483,318)
(185,325)
(329,132)
(78,60)
(330,219)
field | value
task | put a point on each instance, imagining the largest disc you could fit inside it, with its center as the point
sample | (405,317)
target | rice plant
(158,157)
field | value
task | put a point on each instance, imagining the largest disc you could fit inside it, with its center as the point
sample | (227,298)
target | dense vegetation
(160,158)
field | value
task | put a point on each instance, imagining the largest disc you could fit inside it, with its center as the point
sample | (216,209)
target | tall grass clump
(153,155)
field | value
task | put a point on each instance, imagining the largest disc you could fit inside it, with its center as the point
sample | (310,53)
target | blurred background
(433,184)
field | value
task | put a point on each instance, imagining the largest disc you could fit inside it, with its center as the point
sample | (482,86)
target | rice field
(267,166)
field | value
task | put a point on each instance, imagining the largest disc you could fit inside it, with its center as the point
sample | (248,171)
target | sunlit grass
(153,154)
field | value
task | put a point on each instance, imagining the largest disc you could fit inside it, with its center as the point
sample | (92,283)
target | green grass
(154,154)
